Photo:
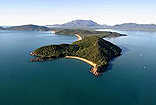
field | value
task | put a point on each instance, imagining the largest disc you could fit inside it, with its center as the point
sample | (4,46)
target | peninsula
(87,32)
(91,49)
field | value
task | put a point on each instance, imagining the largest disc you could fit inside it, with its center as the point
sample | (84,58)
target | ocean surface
(129,80)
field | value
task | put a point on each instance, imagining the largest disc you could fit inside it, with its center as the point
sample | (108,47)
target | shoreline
(77,35)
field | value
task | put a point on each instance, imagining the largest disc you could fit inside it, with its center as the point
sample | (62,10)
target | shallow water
(129,80)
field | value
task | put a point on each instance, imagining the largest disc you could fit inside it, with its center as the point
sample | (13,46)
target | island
(91,49)
(28,27)
(134,27)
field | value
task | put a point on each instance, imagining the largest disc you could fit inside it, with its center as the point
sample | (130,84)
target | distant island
(28,27)
(134,26)
(92,49)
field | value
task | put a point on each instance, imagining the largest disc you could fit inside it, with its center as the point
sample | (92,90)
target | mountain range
(91,24)
(80,24)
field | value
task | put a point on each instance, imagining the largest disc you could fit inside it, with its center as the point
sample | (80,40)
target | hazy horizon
(49,12)
(70,21)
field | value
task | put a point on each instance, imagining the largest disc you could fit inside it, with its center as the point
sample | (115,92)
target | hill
(85,33)
(92,49)
(28,27)
(134,26)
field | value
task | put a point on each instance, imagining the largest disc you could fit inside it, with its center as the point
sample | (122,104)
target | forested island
(92,49)
(28,27)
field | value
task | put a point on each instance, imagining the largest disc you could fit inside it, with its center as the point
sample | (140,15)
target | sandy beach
(53,32)
(85,60)
(79,37)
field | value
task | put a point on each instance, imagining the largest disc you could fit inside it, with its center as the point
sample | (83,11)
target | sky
(48,12)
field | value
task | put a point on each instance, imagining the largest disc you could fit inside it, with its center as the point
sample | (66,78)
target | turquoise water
(129,80)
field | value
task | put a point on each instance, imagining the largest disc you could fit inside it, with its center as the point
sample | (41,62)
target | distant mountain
(79,24)
(1,28)
(28,27)
(134,26)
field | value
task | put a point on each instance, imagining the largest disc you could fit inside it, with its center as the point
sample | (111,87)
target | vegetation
(85,33)
(92,48)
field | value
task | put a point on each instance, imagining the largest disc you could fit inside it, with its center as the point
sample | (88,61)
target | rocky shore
(98,70)
(94,70)
(40,58)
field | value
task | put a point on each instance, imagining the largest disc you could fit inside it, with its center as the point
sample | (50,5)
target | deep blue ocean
(129,80)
